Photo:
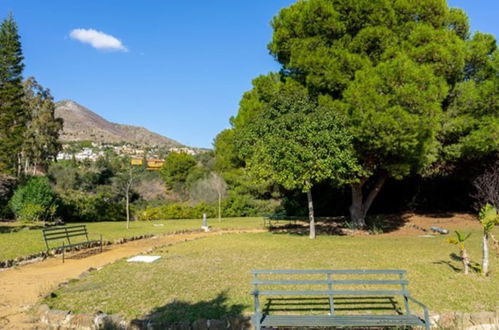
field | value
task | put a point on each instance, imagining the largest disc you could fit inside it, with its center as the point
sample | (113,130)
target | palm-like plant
(459,241)
(489,218)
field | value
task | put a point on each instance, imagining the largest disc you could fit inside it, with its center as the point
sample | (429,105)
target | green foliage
(82,206)
(176,169)
(226,154)
(41,141)
(459,239)
(34,200)
(12,110)
(488,217)
(178,211)
(244,205)
(394,130)
(296,144)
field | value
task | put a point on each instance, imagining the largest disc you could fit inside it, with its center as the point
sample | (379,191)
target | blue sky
(181,66)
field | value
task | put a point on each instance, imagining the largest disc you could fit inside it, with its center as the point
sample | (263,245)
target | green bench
(69,238)
(328,298)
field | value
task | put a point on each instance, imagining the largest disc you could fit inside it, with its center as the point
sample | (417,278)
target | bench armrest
(425,310)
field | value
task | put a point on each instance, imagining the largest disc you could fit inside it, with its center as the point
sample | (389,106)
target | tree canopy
(410,83)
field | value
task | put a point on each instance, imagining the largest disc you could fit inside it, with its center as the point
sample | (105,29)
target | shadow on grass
(217,308)
(15,229)
(320,305)
(338,226)
(474,266)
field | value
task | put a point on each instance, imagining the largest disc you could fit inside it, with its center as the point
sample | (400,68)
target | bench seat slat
(331,271)
(334,282)
(331,293)
(340,320)
(61,228)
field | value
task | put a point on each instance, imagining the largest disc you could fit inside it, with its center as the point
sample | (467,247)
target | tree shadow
(449,264)
(181,313)
(14,229)
(342,305)
(474,266)
(338,226)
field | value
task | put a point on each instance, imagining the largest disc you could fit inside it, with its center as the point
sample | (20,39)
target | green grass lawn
(210,277)
(16,240)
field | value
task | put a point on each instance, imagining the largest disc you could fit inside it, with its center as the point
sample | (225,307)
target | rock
(217,325)
(57,318)
(483,317)
(99,319)
(82,322)
(41,310)
(183,325)
(241,323)
(201,324)
(114,321)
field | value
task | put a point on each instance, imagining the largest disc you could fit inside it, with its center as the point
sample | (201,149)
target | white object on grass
(143,259)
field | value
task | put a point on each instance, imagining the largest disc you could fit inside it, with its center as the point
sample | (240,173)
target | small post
(100,243)
(63,250)
(331,299)
(406,300)
(204,226)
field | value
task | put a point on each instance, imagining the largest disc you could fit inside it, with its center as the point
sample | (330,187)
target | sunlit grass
(194,273)
(16,241)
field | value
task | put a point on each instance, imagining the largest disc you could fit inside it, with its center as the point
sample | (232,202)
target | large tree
(41,138)
(12,110)
(297,144)
(398,71)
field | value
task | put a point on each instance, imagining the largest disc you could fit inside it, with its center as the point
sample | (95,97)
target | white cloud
(97,39)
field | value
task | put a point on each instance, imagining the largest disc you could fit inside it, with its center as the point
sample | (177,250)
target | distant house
(152,164)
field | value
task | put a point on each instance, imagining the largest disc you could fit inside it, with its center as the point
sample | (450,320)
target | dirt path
(21,287)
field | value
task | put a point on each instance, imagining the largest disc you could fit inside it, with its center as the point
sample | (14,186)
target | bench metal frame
(331,284)
(66,233)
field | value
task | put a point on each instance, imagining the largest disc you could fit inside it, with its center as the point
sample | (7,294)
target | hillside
(82,124)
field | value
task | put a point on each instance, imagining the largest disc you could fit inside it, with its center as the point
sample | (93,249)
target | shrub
(34,200)
(237,205)
(177,211)
(82,206)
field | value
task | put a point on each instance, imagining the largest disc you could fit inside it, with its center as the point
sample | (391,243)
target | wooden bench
(66,234)
(327,298)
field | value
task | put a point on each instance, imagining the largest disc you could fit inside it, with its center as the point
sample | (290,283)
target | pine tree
(12,112)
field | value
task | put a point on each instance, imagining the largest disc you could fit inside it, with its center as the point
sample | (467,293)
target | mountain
(82,124)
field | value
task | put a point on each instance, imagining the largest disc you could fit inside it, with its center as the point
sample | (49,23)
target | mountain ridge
(83,124)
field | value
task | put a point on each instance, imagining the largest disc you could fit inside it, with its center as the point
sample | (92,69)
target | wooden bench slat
(340,320)
(330,271)
(330,293)
(62,228)
(336,282)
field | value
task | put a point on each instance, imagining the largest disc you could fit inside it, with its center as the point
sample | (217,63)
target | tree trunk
(127,198)
(485,250)
(311,214)
(466,261)
(219,207)
(359,206)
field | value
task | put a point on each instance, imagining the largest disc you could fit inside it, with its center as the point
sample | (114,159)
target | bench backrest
(330,283)
(64,233)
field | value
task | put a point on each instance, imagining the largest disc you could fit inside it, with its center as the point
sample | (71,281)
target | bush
(245,205)
(177,211)
(82,206)
(34,200)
